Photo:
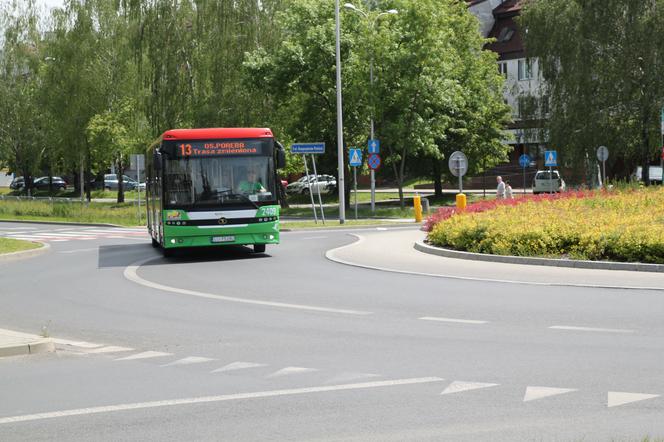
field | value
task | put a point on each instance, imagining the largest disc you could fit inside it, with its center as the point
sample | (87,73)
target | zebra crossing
(70,234)
(270,372)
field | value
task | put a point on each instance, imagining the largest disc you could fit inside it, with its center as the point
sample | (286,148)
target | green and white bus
(211,187)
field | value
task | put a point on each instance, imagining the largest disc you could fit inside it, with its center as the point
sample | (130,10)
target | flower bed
(623,226)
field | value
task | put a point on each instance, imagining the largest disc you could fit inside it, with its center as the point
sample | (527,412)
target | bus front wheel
(259,248)
(155,243)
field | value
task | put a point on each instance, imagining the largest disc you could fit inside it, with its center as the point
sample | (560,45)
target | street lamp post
(340,129)
(371,80)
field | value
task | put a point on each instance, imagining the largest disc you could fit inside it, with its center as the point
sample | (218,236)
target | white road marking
(212,399)
(331,255)
(131,274)
(616,398)
(459,386)
(189,360)
(110,349)
(381,228)
(91,249)
(347,377)
(460,321)
(18,228)
(291,370)
(534,393)
(237,366)
(81,344)
(60,240)
(591,329)
(145,355)
(313,237)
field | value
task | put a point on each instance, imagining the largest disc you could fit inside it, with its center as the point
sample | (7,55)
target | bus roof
(217,133)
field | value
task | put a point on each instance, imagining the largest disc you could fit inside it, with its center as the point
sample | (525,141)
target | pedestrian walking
(508,191)
(500,191)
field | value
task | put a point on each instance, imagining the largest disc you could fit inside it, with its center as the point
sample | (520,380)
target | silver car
(548,182)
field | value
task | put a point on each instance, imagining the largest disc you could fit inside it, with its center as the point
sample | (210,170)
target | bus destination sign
(214,148)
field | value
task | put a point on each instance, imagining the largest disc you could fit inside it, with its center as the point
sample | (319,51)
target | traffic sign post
(524,161)
(355,160)
(458,164)
(551,160)
(661,161)
(603,155)
(137,161)
(373,148)
(312,149)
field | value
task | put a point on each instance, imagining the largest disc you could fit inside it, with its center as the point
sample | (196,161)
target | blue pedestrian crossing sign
(524,160)
(550,158)
(374,146)
(354,157)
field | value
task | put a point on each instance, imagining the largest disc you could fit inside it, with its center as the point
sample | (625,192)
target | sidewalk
(13,343)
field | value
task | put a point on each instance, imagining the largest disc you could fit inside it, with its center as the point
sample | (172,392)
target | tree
(22,140)
(604,83)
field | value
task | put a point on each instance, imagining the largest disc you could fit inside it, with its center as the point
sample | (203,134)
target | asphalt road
(228,345)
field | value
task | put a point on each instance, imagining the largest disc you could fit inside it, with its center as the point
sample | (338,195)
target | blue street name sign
(374,146)
(550,158)
(524,160)
(308,148)
(355,157)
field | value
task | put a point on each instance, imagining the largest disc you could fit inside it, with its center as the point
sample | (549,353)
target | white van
(654,172)
(547,182)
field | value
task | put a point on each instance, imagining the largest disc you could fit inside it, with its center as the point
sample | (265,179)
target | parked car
(111,182)
(547,182)
(654,174)
(17,183)
(41,183)
(326,184)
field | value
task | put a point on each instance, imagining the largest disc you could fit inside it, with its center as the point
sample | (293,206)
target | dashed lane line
(590,329)
(214,399)
(131,273)
(454,320)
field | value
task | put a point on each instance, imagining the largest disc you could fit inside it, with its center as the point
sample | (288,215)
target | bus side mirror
(156,160)
(281,156)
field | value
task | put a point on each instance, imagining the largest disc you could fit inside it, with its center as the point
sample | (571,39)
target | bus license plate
(227,238)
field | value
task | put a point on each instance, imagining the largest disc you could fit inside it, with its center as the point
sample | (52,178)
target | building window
(525,69)
(505,35)
(502,69)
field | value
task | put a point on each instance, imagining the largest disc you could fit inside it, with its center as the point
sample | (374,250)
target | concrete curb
(14,256)
(597,265)
(40,346)
(62,223)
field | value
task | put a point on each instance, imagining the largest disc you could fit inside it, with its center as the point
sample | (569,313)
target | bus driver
(251,184)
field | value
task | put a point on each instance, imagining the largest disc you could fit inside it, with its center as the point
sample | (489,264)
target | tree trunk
(87,174)
(645,148)
(120,172)
(437,181)
(402,171)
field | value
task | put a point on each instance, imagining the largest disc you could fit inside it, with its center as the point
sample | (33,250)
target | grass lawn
(363,211)
(124,214)
(294,225)
(71,193)
(14,245)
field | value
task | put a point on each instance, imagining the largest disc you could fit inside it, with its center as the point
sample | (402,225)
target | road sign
(354,157)
(308,148)
(550,158)
(458,164)
(374,161)
(602,153)
(374,146)
(137,162)
(524,160)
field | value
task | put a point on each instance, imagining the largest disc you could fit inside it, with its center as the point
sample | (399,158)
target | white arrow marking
(110,349)
(145,355)
(457,386)
(347,377)
(291,370)
(533,393)
(189,360)
(616,398)
(237,366)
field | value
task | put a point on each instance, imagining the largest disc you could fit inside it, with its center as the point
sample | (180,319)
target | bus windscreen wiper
(243,197)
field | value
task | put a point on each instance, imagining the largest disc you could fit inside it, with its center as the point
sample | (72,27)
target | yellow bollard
(417,205)
(461,201)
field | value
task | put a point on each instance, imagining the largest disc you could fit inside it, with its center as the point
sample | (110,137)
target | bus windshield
(209,182)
